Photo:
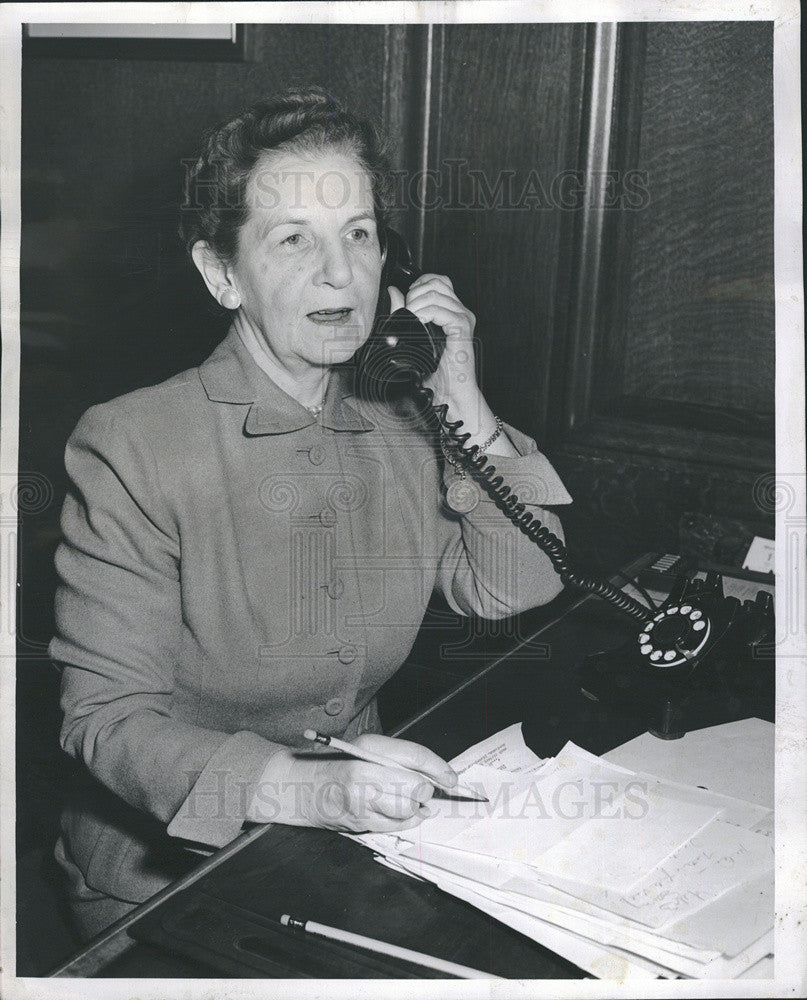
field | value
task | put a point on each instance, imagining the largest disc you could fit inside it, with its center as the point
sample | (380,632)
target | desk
(321,875)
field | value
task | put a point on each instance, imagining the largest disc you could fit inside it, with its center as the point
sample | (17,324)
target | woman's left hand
(433,300)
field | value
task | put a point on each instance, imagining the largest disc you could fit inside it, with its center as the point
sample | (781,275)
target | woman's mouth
(331,317)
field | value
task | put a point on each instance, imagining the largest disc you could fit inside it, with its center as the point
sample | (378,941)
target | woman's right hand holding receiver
(351,796)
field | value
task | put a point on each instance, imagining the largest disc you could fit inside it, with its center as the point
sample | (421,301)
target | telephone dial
(700,655)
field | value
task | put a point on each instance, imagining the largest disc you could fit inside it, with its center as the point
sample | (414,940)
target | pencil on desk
(384,948)
(376,758)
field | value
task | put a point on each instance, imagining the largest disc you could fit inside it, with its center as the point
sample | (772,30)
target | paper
(766,825)
(616,850)
(763,969)
(743,590)
(733,586)
(723,968)
(455,818)
(736,811)
(578,949)
(735,759)
(546,914)
(505,751)
(528,813)
(613,867)
(732,922)
(546,903)
(728,925)
(760,555)
(631,944)
(719,858)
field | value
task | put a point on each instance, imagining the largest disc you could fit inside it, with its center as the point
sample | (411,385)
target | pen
(372,944)
(377,758)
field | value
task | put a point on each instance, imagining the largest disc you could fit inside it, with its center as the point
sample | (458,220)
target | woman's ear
(212,269)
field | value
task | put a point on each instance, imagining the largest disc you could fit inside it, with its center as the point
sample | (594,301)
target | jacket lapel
(230,375)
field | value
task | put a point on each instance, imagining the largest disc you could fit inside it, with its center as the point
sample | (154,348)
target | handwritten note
(719,858)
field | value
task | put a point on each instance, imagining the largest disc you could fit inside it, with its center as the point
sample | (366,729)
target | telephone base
(722,672)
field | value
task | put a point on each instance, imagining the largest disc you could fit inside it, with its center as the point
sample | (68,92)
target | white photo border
(791,735)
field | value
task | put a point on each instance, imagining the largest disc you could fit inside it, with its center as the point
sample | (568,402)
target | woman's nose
(334,266)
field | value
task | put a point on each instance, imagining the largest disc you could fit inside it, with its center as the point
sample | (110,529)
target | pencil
(376,758)
(383,948)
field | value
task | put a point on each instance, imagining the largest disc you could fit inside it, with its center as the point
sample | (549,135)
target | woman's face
(309,262)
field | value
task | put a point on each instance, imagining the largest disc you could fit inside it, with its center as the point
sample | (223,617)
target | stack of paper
(625,874)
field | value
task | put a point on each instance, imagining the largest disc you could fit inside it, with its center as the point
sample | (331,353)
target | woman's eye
(294,240)
(359,235)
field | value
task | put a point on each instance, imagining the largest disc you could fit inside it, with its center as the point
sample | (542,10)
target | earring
(230,298)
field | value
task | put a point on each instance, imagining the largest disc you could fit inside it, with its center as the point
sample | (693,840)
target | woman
(249,548)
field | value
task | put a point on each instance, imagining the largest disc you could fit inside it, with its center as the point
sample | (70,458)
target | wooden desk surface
(326,877)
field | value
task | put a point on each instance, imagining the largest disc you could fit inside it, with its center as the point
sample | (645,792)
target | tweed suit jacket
(234,571)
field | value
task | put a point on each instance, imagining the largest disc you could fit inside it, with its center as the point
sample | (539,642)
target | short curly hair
(310,119)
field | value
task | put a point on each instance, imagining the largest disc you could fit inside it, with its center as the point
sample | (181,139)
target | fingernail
(450,778)
(426,811)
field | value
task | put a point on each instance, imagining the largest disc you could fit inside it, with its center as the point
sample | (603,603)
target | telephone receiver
(698,658)
(401,350)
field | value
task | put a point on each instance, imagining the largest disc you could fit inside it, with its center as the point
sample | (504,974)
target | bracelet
(480,448)
(492,438)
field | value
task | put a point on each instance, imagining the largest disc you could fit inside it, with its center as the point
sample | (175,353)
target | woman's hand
(350,796)
(432,299)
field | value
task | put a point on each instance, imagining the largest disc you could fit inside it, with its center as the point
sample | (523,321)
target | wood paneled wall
(700,287)
(668,357)
(504,113)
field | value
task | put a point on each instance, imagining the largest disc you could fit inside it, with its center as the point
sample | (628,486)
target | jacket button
(316,455)
(347,654)
(334,706)
(335,589)
(327,517)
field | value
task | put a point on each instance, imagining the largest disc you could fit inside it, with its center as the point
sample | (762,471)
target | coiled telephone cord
(515,511)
